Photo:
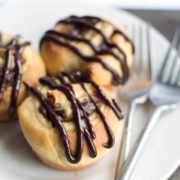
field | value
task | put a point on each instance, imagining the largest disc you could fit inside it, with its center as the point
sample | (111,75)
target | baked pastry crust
(46,140)
(92,45)
(32,69)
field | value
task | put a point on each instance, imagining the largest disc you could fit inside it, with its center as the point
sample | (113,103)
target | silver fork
(134,91)
(164,95)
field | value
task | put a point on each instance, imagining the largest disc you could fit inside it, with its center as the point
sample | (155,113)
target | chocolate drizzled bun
(69,121)
(18,62)
(89,44)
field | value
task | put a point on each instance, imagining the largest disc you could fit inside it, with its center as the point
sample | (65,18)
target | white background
(132,4)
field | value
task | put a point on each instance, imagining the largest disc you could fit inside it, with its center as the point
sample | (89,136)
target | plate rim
(105,7)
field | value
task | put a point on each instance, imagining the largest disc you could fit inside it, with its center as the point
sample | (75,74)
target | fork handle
(133,156)
(126,137)
(129,122)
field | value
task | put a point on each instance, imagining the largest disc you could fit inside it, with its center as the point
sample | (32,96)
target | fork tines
(170,70)
(142,60)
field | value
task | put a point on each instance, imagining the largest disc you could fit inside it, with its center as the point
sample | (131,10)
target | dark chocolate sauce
(83,109)
(5,72)
(13,52)
(16,85)
(116,80)
(88,23)
(89,107)
(81,112)
(116,30)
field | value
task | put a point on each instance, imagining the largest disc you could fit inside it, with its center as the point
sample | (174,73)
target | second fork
(164,95)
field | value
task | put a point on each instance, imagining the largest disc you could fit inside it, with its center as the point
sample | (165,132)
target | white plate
(16,158)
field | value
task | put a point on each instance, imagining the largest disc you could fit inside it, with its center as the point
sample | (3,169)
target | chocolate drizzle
(81,25)
(80,116)
(13,52)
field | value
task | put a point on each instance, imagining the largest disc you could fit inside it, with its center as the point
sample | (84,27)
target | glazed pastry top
(72,97)
(91,38)
(11,49)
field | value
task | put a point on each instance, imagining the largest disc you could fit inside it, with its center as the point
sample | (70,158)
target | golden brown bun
(33,68)
(62,58)
(45,140)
